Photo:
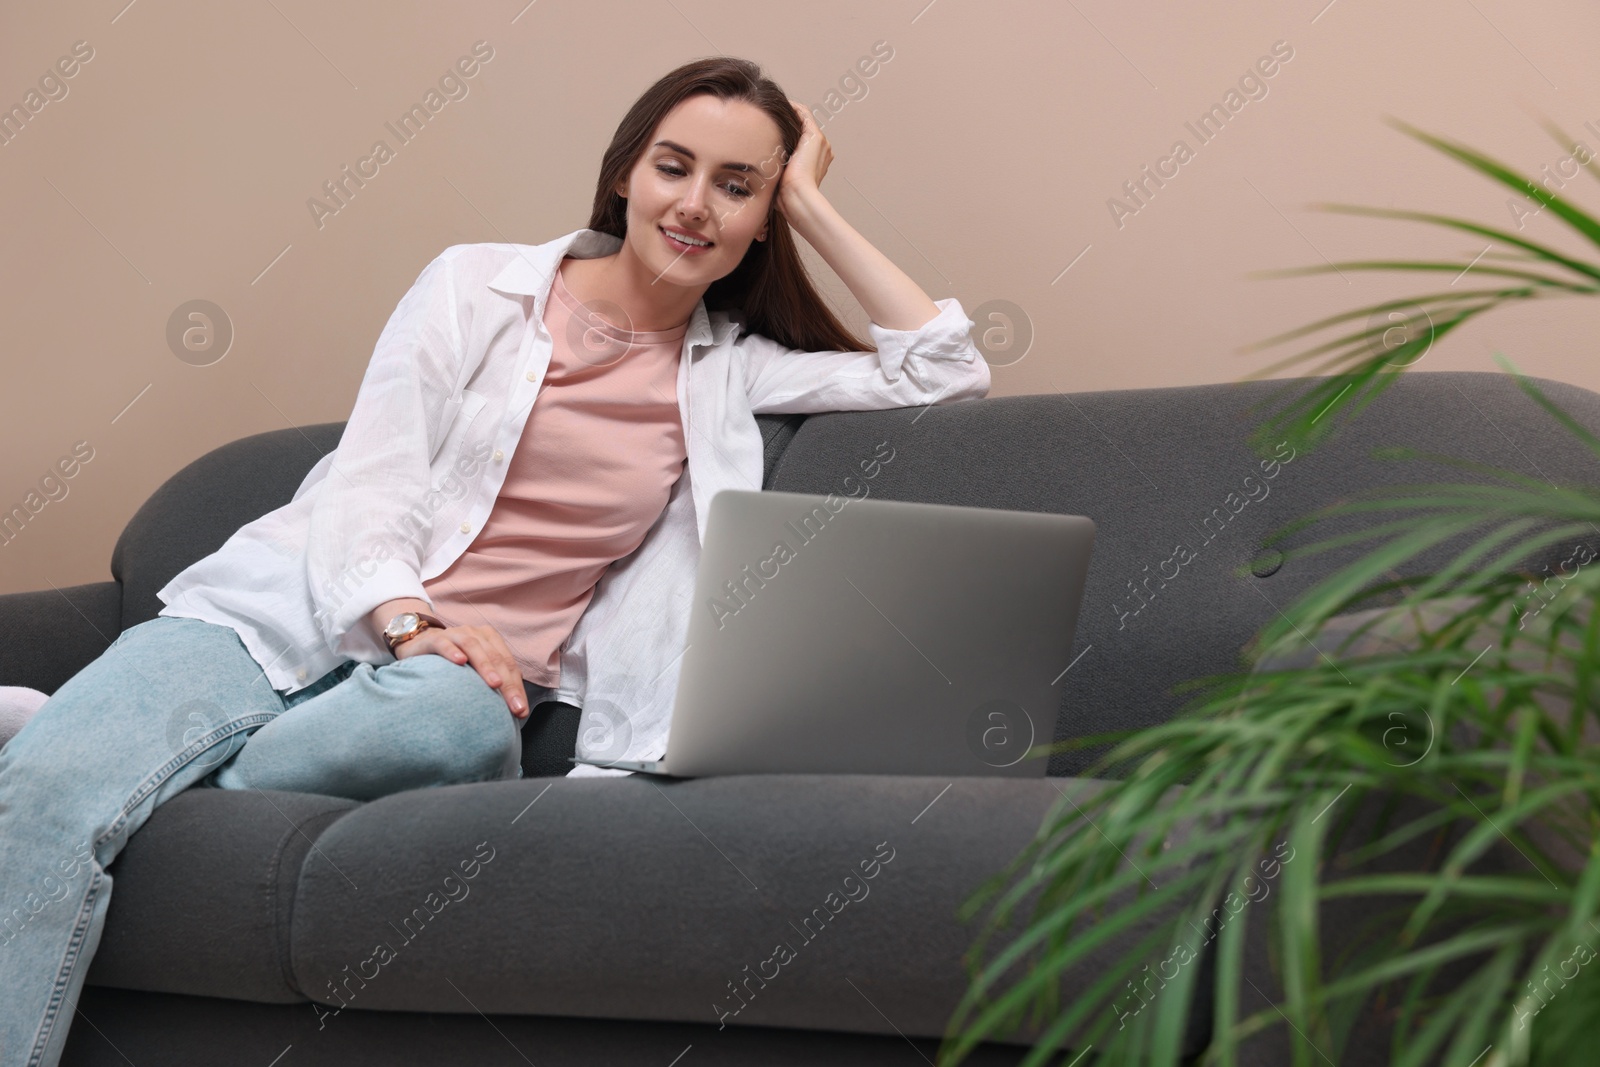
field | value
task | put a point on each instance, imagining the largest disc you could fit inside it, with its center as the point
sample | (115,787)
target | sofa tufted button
(1267,563)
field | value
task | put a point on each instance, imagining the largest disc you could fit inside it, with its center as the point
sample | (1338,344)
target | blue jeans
(178,702)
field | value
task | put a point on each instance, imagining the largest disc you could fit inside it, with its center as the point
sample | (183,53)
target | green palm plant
(1473,856)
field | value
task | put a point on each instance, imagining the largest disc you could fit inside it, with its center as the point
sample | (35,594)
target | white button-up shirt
(420,464)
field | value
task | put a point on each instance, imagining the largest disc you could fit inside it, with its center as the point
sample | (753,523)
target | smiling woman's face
(710,171)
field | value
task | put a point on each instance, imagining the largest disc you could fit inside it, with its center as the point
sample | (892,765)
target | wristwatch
(406,625)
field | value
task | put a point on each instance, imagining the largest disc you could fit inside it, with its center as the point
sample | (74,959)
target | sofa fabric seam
(283,919)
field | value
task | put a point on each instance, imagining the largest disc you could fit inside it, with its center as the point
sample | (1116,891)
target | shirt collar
(532,272)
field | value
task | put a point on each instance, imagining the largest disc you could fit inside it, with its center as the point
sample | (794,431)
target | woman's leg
(418,722)
(168,702)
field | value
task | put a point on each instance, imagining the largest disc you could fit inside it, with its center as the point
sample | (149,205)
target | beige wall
(981,158)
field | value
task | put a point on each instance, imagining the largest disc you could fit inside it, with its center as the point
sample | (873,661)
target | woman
(508,518)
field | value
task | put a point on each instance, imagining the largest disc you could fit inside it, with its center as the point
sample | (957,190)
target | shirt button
(532,377)
(300,674)
(466,527)
(498,455)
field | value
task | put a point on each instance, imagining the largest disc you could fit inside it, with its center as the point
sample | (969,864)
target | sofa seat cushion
(669,900)
(201,896)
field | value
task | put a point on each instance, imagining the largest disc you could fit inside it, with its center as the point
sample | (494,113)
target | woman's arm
(884,291)
(925,353)
(381,469)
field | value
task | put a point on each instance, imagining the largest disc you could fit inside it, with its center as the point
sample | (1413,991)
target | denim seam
(166,770)
(86,912)
(74,947)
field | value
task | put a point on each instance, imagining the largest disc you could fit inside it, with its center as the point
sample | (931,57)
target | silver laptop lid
(832,634)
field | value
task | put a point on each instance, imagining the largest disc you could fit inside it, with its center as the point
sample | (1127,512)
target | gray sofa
(609,920)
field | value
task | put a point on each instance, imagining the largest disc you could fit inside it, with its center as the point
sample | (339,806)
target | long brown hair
(770,285)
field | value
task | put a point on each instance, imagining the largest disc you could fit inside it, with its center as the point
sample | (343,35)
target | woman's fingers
(508,671)
(492,659)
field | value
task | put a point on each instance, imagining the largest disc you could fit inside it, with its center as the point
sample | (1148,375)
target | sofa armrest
(49,635)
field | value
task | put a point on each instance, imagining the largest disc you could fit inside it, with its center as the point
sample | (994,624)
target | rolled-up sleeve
(370,523)
(937,363)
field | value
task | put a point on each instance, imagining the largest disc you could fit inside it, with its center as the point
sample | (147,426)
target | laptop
(845,635)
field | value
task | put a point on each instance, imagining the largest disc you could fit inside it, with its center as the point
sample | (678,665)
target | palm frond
(1474,854)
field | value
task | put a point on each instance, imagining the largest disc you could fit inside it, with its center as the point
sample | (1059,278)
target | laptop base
(653,766)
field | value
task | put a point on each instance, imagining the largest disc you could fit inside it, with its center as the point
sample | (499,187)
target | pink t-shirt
(592,472)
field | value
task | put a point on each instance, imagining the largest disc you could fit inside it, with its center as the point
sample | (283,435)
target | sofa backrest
(1155,469)
(196,510)
(1161,468)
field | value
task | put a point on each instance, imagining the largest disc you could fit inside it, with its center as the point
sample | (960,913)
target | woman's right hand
(482,646)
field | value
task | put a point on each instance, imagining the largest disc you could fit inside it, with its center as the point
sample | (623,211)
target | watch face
(401,624)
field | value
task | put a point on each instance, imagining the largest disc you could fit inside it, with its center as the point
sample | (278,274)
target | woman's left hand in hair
(802,174)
